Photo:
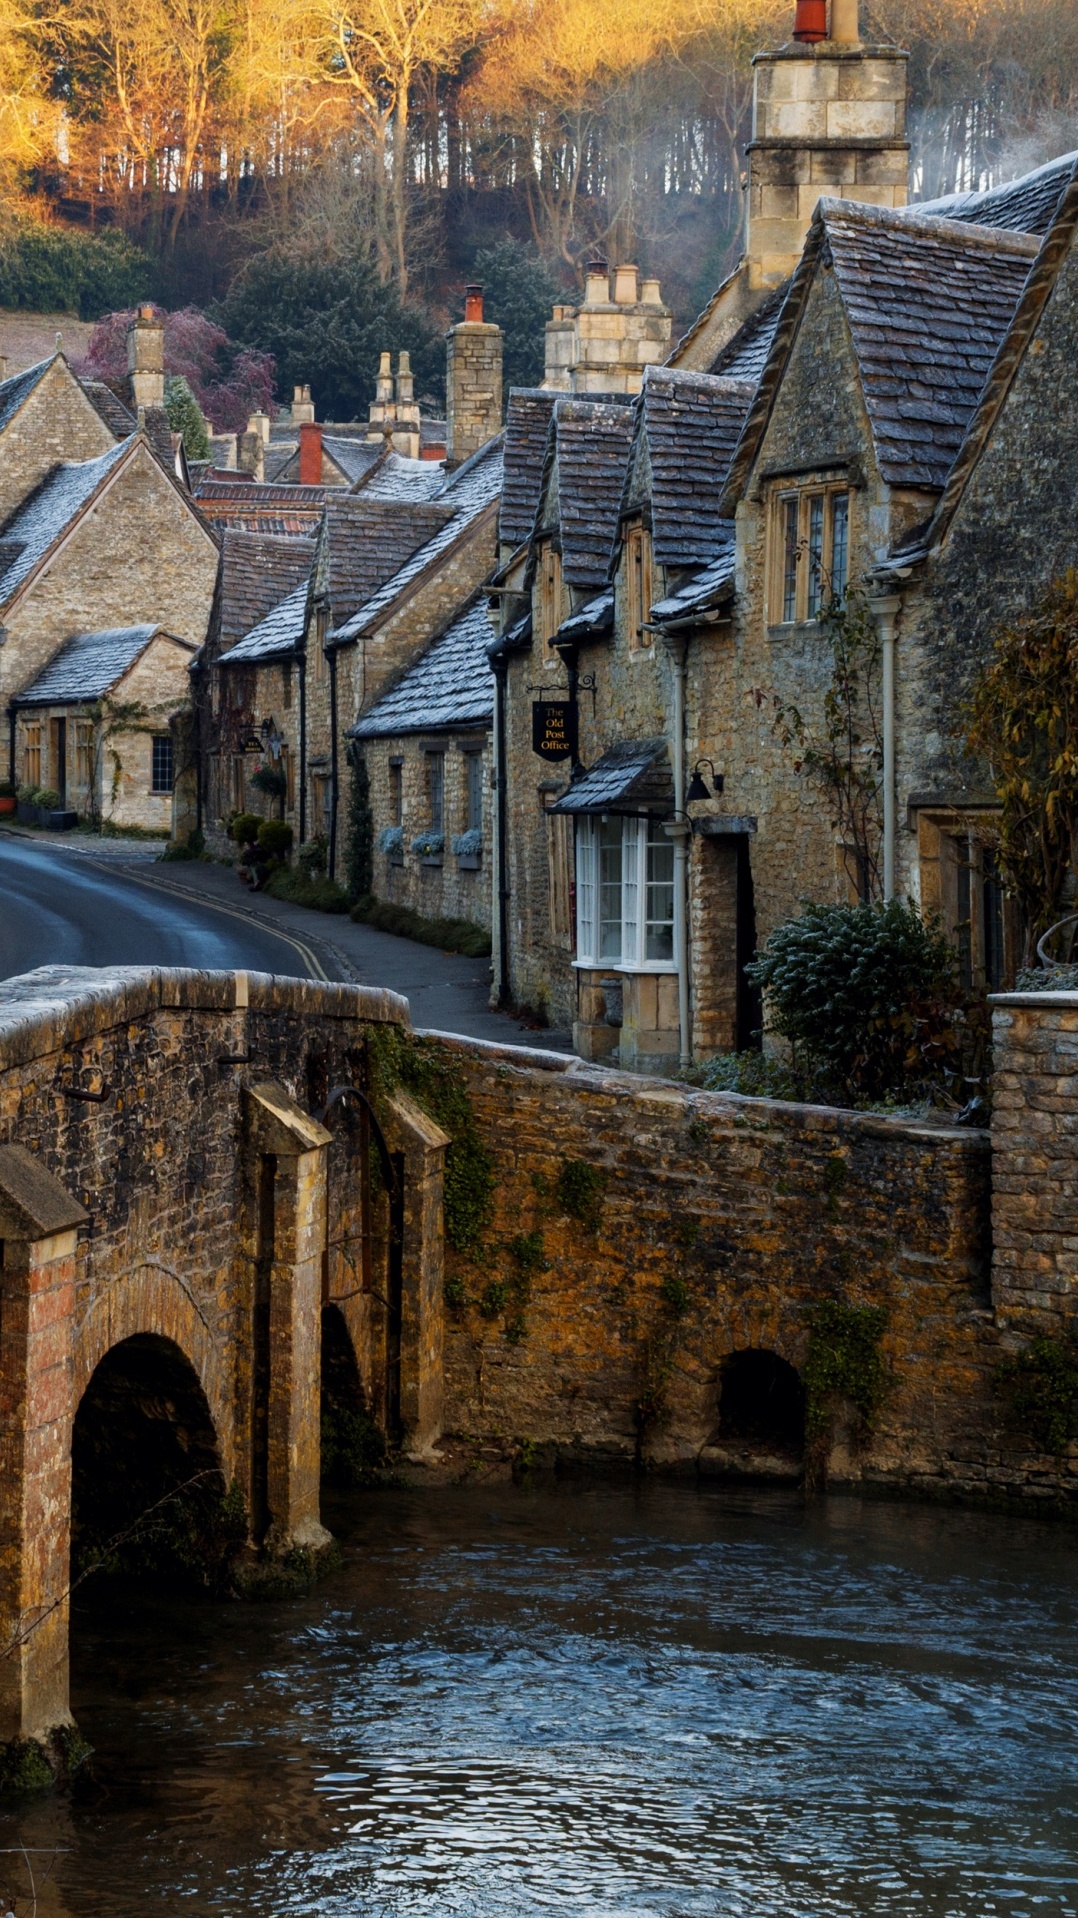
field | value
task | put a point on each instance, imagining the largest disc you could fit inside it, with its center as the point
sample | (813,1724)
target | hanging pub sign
(554,728)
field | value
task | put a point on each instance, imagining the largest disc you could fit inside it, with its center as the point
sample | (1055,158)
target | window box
(391,843)
(430,846)
(468,847)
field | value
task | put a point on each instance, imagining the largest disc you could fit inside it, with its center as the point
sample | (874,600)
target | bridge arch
(146,1479)
(151,1301)
(761,1403)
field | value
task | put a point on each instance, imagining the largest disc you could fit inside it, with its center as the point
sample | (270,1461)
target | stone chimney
(310,454)
(604,344)
(384,404)
(302,406)
(406,428)
(473,381)
(251,449)
(146,359)
(829,117)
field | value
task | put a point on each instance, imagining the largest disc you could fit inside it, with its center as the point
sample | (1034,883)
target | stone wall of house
(56,422)
(716,1225)
(446,885)
(139,555)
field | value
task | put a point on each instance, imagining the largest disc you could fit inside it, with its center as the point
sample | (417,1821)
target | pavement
(101,902)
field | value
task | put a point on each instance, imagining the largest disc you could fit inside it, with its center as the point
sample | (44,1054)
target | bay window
(624,894)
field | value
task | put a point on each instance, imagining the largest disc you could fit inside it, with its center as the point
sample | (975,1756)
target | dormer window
(549,585)
(811,552)
(638,587)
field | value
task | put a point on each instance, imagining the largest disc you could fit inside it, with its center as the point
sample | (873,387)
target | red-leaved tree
(229,382)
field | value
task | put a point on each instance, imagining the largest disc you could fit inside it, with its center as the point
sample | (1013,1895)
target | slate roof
(1028,205)
(594,618)
(449,685)
(468,493)
(590,442)
(280,633)
(928,302)
(391,476)
(745,356)
(32,529)
(117,417)
(18,388)
(258,508)
(256,572)
(88,666)
(366,542)
(527,428)
(632,777)
(703,590)
(692,423)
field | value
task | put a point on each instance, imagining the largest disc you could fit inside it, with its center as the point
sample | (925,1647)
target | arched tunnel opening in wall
(352,1444)
(762,1405)
(148,1501)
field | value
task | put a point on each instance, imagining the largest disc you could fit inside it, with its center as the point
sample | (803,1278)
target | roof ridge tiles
(909,221)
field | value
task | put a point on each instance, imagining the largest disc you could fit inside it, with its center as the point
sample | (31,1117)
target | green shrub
(313,857)
(193,847)
(866,995)
(754,1074)
(319,895)
(8,789)
(275,838)
(270,780)
(359,842)
(244,828)
(450,935)
(185,417)
(580,1191)
(1041,1384)
(48,798)
(52,269)
(844,1361)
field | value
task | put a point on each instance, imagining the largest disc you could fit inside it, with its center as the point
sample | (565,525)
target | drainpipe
(500,669)
(11,711)
(885,612)
(333,760)
(301,662)
(678,829)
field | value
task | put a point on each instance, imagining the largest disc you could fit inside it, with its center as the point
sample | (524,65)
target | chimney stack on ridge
(473,382)
(146,359)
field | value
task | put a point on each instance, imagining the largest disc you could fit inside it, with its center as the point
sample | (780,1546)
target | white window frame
(634,854)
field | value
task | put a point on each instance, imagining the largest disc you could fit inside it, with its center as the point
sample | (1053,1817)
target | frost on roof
(449,685)
(46,514)
(281,631)
(87,666)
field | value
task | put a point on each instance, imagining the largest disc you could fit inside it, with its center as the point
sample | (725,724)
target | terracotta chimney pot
(473,306)
(810,21)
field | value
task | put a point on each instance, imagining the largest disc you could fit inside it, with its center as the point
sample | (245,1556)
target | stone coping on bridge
(60,1005)
(699,1102)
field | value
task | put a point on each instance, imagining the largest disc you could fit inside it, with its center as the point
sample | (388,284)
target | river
(580,1701)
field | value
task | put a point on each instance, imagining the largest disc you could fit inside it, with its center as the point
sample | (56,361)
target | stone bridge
(215,1188)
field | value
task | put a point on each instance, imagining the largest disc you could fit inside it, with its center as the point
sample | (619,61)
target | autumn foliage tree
(1024,724)
(228,382)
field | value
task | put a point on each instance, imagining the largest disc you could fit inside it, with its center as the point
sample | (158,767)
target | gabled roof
(1035,295)
(354,458)
(19,387)
(927,302)
(89,665)
(704,591)
(1028,205)
(41,519)
(280,634)
(469,493)
(690,424)
(591,621)
(364,543)
(745,356)
(587,456)
(391,476)
(257,571)
(632,777)
(109,407)
(449,685)
(527,427)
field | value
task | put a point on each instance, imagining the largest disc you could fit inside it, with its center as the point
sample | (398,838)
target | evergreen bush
(50,269)
(359,845)
(866,996)
(275,838)
(184,415)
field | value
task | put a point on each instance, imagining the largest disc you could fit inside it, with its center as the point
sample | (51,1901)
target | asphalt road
(58,909)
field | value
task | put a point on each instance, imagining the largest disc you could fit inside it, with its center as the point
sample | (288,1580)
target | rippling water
(517,1704)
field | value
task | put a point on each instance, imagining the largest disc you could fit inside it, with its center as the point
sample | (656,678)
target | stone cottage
(100,724)
(426,747)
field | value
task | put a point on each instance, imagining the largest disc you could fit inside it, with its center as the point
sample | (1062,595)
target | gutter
(499,666)
(334,762)
(302,660)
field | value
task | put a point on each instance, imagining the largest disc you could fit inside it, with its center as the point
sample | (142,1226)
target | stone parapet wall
(721,1223)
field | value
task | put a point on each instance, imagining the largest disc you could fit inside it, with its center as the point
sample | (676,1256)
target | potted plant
(468,847)
(9,795)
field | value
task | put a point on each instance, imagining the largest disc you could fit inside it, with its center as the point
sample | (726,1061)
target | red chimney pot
(810,21)
(473,306)
(310,453)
